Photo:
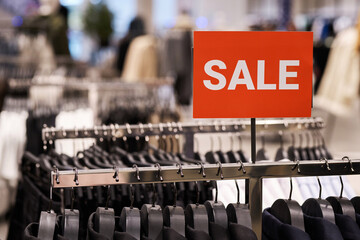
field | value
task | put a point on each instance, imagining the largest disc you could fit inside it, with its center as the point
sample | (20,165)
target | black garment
(218,232)
(122,51)
(136,28)
(240,232)
(274,229)
(178,62)
(123,236)
(193,234)
(34,125)
(321,54)
(171,234)
(348,227)
(358,219)
(94,235)
(91,233)
(319,228)
(30,201)
(31,232)
(3,91)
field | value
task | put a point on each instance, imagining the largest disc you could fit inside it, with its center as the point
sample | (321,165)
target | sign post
(252,75)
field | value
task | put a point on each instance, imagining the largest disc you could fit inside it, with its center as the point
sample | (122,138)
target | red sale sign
(252,74)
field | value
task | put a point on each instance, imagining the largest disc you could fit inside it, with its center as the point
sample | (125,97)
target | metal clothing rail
(186,129)
(128,130)
(187,173)
(86,83)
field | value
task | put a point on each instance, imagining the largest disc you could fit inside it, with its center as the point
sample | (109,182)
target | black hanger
(151,218)
(356,203)
(281,153)
(222,156)
(318,207)
(316,147)
(342,205)
(127,158)
(325,151)
(239,213)
(196,215)
(105,219)
(289,211)
(215,209)
(95,160)
(231,154)
(308,149)
(302,151)
(211,156)
(151,158)
(197,154)
(47,222)
(261,153)
(241,153)
(293,152)
(179,155)
(130,220)
(70,220)
(47,225)
(102,156)
(174,216)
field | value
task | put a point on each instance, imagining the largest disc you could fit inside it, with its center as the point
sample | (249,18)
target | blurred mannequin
(136,28)
(184,21)
(176,57)
(340,84)
(51,20)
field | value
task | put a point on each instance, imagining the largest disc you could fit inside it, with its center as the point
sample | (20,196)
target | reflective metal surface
(254,172)
(182,128)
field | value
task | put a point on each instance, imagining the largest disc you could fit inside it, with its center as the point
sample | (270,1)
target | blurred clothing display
(339,87)
(141,62)
(79,118)
(136,28)
(12,144)
(176,61)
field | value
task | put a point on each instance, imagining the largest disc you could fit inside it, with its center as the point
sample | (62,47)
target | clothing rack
(186,129)
(109,92)
(254,173)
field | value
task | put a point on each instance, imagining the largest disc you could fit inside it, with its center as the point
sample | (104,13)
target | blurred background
(80,63)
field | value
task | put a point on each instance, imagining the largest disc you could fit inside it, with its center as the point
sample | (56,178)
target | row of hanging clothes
(279,147)
(134,152)
(210,220)
(336,217)
(32,101)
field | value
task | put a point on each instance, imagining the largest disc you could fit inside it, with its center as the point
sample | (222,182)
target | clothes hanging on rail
(141,62)
(12,144)
(34,125)
(347,226)
(176,61)
(80,118)
(274,229)
(30,201)
(319,228)
(340,84)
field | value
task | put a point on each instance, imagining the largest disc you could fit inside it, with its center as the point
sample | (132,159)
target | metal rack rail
(187,173)
(186,129)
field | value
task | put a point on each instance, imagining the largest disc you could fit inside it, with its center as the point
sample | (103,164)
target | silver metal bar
(254,172)
(101,177)
(182,128)
(255,204)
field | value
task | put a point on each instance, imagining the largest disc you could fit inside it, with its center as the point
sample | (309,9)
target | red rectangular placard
(252,74)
